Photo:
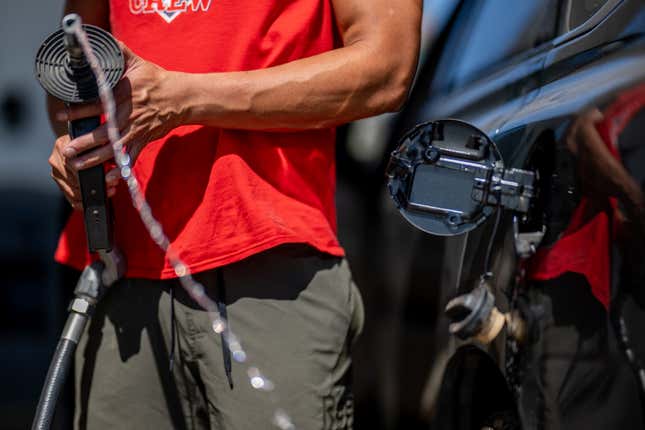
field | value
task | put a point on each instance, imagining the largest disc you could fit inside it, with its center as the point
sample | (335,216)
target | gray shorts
(296,312)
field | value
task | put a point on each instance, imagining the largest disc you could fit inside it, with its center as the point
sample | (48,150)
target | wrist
(211,99)
(175,87)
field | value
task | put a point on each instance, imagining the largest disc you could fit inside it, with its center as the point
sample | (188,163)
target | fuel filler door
(447,177)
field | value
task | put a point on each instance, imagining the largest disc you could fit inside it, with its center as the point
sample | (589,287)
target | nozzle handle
(97,213)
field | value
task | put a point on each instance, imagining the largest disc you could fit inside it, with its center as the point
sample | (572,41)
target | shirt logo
(168,9)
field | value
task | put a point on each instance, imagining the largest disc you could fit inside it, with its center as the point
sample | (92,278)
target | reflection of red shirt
(222,195)
(585,246)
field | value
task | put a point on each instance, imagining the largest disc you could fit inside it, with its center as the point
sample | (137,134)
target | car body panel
(527,106)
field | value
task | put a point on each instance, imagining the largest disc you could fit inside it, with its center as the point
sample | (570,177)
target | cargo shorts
(296,313)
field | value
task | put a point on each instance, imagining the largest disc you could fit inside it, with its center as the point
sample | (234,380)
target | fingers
(112,177)
(64,174)
(93,158)
(72,192)
(594,115)
(98,136)
(72,195)
(111,181)
(64,177)
(583,129)
(85,142)
(101,154)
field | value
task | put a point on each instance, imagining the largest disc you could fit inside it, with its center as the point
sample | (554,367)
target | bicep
(388,32)
(386,23)
(94,12)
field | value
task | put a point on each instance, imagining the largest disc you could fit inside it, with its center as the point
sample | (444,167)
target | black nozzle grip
(98,217)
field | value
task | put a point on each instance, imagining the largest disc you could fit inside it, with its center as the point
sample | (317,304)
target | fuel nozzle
(475,316)
(70,25)
(77,67)
(62,68)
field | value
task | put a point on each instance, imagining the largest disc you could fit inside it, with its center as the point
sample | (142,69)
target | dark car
(524,145)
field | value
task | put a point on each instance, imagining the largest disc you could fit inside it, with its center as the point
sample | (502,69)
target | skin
(370,74)
(601,174)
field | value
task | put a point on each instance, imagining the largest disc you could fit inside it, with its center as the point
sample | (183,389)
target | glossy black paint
(527,104)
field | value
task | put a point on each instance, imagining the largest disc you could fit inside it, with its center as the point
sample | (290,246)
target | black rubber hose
(56,377)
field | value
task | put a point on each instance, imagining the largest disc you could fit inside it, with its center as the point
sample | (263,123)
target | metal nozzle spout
(70,25)
(71,22)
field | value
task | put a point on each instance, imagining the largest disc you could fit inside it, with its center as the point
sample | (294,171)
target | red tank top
(222,195)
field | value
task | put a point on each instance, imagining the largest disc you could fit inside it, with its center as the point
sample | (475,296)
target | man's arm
(370,74)
(600,173)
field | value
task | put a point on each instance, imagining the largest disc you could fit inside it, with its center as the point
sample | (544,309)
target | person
(584,377)
(228,109)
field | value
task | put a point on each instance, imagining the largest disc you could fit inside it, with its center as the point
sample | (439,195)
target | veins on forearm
(316,92)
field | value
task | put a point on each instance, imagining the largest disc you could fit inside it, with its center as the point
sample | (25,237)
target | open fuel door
(447,177)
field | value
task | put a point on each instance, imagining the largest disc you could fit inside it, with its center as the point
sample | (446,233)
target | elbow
(394,80)
(395,93)
(398,97)
(395,75)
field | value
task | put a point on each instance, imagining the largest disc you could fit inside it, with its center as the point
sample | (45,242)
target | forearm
(352,82)
(322,91)
(369,75)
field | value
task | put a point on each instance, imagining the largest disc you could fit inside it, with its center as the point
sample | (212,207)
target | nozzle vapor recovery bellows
(61,67)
